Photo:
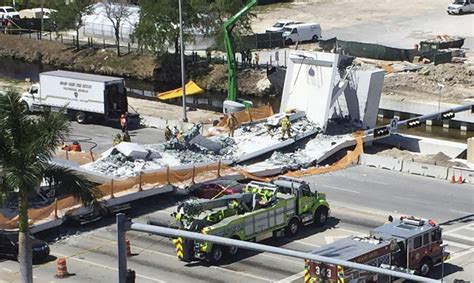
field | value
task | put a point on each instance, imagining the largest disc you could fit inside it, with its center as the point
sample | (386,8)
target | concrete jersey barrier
(422,169)
(389,163)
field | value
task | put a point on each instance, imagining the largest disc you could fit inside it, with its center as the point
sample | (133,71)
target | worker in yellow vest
(232,123)
(285,127)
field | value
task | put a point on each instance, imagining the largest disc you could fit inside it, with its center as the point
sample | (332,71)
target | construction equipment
(230,104)
(262,211)
(386,246)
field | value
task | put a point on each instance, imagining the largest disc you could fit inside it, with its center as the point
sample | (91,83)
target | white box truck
(301,32)
(84,97)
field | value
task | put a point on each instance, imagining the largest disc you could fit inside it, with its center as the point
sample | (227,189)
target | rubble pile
(450,81)
(439,159)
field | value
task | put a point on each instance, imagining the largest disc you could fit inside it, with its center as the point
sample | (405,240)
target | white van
(280,25)
(301,32)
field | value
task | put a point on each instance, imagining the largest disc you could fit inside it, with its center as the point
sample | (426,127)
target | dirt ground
(440,158)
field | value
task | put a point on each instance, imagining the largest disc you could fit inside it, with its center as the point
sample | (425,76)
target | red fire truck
(410,244)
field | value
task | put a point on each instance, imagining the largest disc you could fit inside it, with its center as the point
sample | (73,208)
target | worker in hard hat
(232,124)
(285,126)
(76,146)
(168,133)
(117,139)
(123,122)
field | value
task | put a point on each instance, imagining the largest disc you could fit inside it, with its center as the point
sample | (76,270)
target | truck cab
(459,7)
(420,242)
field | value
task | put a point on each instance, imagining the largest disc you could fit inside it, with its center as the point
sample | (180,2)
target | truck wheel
(81,117)
(288,42)
(315,38)
(425,267)
(25,106)
(293,227)
(321,216)
(233,250)
(216,255)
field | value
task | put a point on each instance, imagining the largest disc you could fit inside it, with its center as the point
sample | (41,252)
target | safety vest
(232,122)
(285,124)
(123,121)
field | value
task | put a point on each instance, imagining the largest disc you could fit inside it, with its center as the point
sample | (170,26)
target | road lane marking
(449,232)
(291,278)
(458,245)
(340,189)
(457,255)
(352,232)
(7,270)
(174,257)
(462,212)
(281,258)
(467,238)
(241,273)
(105,266)
(306,243)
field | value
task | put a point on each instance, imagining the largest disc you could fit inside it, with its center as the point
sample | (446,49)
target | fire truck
(407,244)
(262,211)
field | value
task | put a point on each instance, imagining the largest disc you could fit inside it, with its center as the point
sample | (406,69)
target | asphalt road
(361,198)
(91,134)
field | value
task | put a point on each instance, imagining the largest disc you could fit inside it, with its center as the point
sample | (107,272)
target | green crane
(229,25)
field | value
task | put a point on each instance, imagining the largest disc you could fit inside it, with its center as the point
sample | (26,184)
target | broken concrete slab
(136,151)
(206,143)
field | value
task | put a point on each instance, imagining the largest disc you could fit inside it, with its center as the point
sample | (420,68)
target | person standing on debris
(285,126)
(126,137)
(123,122)
(249,57)
(168,133)
(175,132)
(117,139)
(257,58)
(232,124)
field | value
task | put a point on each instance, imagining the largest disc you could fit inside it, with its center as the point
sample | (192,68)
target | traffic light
(382,131)
(448,115)
(413,123)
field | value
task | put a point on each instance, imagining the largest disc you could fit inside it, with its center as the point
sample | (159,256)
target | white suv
(461,6)
(7,12)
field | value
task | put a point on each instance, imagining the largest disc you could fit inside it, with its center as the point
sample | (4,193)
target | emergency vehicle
(263,211)
(410,244)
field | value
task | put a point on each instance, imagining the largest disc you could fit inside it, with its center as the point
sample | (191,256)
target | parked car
(9,247)
(280,25)
(8,12)
(460,7)
(211,189)
(301,32)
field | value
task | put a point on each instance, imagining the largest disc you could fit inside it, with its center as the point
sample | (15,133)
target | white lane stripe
(469,228)
(340,189)
(7,270)
(460,254)
(241,273)
(462,212)
(105,267)
(467,238)
(279,258)
(291,278)
(308,244)
(352,232)
(175,257)
(448,232)
(458,245)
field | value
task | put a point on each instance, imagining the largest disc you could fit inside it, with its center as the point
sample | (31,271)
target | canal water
(20,70)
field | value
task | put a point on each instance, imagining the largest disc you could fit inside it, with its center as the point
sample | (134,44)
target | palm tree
(27,144)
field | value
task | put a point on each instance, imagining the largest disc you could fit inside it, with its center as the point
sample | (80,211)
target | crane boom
(229,25)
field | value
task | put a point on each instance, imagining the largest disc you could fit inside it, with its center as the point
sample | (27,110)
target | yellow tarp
(191,89)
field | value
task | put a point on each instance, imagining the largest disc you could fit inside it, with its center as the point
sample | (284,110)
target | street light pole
(183,79)
(42,18)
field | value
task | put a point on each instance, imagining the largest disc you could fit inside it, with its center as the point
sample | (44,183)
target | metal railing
(124,224)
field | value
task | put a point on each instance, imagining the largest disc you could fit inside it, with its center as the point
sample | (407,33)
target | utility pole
(183,77)
(42,18)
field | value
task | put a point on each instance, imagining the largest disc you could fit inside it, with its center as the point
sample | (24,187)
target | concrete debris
(439,159)
(135,151)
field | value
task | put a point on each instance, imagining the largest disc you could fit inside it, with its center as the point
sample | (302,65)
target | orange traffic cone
(127,247)
(453,180)
(460,180)
(62,268)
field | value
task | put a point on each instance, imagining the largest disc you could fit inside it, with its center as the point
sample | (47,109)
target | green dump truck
(262,211)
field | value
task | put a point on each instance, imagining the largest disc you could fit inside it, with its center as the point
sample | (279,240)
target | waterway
(20,70)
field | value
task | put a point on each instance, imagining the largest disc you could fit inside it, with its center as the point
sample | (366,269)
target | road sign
(394,125)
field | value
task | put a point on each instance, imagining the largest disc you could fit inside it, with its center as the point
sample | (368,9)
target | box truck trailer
(84,97)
